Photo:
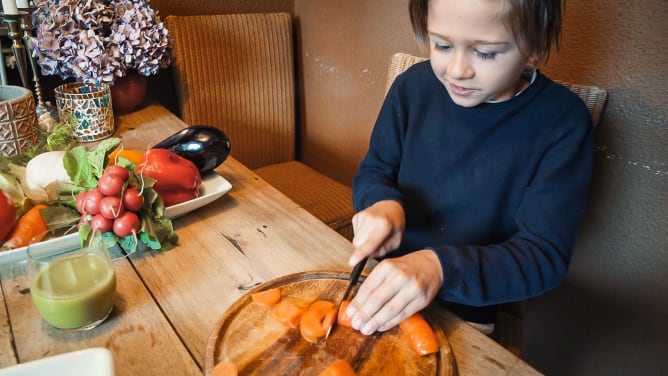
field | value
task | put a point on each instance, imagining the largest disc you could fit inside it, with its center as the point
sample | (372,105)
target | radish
(127,224)
(111,207)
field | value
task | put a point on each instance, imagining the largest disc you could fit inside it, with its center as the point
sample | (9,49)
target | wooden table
(169,302)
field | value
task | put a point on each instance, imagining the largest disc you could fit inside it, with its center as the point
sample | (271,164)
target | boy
(478,168)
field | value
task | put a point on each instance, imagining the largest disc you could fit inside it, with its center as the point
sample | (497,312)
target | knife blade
(354,277)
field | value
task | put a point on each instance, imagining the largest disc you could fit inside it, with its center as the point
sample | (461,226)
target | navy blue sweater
(497,190)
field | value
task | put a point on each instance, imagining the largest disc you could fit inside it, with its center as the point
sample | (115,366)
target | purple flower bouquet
(98,40)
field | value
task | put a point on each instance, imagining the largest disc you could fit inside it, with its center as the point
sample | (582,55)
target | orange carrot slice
(288,313)
(317,319)
(339,368)
(225,368)
(420,335)
(267,297)
(343,319)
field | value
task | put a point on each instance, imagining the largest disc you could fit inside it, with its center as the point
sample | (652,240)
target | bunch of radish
(113,205)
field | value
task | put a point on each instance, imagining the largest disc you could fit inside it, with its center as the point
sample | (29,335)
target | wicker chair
(508,328)
(236,72)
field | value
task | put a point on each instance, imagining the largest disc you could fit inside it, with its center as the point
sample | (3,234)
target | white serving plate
(213,187)
(94,361)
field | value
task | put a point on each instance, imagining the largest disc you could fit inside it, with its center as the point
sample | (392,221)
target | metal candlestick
(14,33)
(47,114)
(27,28)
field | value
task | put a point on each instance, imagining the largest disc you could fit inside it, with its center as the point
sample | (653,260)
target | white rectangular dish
(213,187)
(94,361)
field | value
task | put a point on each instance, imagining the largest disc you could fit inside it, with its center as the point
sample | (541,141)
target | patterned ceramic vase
(18,120)
(89,106)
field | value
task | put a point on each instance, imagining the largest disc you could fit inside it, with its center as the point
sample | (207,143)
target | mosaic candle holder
(91,108)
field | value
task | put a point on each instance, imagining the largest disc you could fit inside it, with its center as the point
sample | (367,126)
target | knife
(354,277)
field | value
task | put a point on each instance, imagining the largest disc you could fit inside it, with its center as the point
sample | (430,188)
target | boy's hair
(537,23)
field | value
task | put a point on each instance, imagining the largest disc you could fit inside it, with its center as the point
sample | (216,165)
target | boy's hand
(378,230)
(395,289)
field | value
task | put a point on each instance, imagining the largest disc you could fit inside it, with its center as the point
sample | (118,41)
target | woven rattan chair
(236,72)
(508,328)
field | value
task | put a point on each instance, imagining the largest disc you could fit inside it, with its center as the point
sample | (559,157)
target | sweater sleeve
(376,179)
(535,258)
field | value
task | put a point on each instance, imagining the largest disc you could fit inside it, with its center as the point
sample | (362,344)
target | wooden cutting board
(248,335)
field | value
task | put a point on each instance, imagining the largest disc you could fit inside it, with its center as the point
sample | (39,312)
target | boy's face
(472,52)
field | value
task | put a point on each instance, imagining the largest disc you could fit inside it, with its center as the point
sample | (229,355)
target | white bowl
(94,361)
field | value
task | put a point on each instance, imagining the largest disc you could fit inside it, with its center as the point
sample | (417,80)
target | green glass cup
(74,289)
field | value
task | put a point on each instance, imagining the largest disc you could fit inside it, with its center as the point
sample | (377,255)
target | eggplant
(204,145)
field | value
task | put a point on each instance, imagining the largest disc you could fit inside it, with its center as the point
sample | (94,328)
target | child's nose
(459,66)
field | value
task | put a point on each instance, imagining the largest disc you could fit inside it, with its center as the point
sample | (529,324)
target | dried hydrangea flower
(99,40)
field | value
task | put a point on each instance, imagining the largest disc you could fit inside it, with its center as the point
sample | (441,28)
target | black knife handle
(357,271)
(355,276)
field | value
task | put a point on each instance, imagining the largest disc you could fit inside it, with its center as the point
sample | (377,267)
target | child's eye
(486,55)
(441,46)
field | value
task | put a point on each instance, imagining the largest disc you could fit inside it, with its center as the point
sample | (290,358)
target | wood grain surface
(248,335)
(169,302)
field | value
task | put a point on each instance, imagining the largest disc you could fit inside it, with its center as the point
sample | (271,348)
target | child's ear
(534,59)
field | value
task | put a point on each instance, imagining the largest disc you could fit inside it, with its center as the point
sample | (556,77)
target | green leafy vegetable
(62,137)
(59,215)
(85,167)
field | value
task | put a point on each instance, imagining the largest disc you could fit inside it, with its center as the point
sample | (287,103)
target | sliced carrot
(342,318)
(340,367)
(28,229)
(420,335)
(267,297)
(317,319)
(288,313)
(225,368)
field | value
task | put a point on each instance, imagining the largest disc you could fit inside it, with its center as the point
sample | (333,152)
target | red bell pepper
(177,179)
(7,215)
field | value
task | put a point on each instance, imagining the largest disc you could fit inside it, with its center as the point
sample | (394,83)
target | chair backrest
(593,97)
(236,72)
(399,62)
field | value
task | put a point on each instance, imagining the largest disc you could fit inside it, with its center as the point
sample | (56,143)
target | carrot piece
(267,297)
(225,368)
(342,318)
(317,319)
(132,155)
(420,335)
(288,313)
(339,368)
(28,229)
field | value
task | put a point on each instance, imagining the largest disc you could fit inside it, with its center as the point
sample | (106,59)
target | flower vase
(128,92)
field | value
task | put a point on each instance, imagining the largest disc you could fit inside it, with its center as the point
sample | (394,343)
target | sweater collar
(528,74)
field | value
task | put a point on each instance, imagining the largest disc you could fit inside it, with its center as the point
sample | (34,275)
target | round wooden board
(248,335)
